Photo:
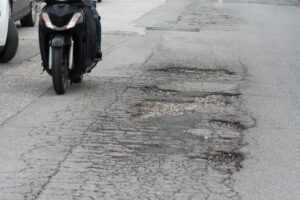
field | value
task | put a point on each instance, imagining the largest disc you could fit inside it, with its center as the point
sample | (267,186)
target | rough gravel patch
(173,29)
(189,70)
(228,124)
(156,89)
(158,108)
(230,159)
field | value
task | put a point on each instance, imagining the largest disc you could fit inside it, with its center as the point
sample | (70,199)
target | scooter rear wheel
(59,71)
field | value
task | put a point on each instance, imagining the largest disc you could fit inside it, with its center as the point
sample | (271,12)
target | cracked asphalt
(193,100)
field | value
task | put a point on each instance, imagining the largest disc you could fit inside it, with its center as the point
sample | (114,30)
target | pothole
(221,158)
(228,124)
(207,134)
(225,94)
(173,29)
(188,70)
(159,108)
(202,88)
(156,89)
(231,159)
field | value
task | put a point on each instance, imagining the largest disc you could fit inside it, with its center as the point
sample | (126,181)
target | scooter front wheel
(59,71)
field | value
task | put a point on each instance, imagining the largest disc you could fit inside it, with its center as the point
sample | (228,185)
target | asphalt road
(193,100)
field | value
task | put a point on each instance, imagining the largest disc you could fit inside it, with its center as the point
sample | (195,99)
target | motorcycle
(67,38)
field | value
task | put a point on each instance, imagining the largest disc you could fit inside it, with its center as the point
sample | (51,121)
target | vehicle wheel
(59,71)
(77,79)
(30,19)
(12,43)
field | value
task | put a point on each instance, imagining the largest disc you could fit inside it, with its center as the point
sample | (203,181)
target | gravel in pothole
(231,159)
(228,124)
(158,108)
(190,70)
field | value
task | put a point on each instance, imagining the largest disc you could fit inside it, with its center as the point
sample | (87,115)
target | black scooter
(67,37)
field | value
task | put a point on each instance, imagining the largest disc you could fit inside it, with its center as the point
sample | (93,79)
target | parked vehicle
(8,34)
(23,10)
(67,35)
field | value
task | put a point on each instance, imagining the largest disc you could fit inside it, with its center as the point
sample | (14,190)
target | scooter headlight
(74,20)
(71,24)
(47,21)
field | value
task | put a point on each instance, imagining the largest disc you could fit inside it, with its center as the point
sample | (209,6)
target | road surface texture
(194,100)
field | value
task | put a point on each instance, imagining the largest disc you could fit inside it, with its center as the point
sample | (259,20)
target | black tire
(30,19)
(59,72)
(12,43)
(77,79)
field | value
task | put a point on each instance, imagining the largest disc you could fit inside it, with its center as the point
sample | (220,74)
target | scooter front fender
(57,41)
